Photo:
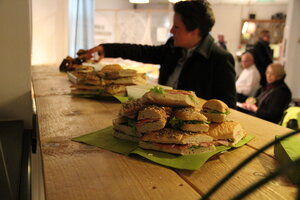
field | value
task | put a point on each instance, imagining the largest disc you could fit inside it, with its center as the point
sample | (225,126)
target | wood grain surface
(77,171)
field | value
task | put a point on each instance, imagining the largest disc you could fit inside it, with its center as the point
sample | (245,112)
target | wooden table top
(77,171)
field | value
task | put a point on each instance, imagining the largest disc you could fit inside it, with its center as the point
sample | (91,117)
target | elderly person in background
(248,81)
(272,100)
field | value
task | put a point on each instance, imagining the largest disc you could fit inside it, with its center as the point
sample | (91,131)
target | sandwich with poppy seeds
(152,118)
(177,142)
(172,98)
(189,119)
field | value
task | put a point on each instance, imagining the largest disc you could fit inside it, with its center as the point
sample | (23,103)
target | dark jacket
(272,103)
(263,56)
(209,71)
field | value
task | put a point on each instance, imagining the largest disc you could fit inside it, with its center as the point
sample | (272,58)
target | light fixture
(248,27)
(139,1)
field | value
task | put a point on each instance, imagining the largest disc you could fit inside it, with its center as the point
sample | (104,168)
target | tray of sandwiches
(110,81)
(171,128)
(172,121)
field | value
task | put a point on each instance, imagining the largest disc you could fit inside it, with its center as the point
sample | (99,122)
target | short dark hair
(264,33)
(196,14)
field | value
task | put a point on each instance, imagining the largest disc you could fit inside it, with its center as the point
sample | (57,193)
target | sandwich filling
(211,111)
(177,123)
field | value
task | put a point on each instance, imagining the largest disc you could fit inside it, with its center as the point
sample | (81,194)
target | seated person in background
(272,100)
(190,59)
(248,81)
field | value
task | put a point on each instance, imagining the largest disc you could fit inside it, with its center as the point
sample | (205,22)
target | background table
(77,171)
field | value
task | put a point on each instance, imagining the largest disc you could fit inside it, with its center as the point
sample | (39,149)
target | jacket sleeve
(224,80)
(272,109)
(140,53)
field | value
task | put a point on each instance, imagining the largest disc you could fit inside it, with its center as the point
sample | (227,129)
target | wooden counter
(77,171)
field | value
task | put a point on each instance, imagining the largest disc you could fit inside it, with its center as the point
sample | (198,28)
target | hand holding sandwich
(91,52)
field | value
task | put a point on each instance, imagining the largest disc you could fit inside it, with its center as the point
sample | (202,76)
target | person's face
(266,37)
(182,37)
(270,75)
(247,61)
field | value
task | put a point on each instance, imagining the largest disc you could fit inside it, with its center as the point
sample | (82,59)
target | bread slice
(151,118)
(131,108)
(173,136)
(139,79)
(189,119)
(229,130)
(118,74)
(215,110)
(173,98)
(216,104)
(111,67)
(122,125)
(197,128)
(176,149)
(115,89)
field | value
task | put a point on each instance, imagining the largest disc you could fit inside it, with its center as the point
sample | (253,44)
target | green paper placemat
(120,98)
(104,139)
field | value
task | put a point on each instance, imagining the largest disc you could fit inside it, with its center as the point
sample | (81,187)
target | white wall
(292,39)
(50,31)
(113,4)
(229,17)
(15,40)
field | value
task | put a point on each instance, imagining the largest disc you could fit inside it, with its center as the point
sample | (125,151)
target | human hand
(250,106)
(97,53)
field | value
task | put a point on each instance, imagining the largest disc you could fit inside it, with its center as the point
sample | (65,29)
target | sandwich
(131,108)
(226,133)
(189,119)
(138,79)
(84,78)
(115,74)
(119,90)
(173,98)
(177,142)
(110,68)
(151,118)
(78,89)
(215,110)
(124,128)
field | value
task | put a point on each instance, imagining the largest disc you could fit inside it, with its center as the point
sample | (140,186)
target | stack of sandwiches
(110,80)
(173,121)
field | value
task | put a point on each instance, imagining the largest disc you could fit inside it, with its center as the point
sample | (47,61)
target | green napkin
(286,151)
(189,162)
(105,140)
(121,99)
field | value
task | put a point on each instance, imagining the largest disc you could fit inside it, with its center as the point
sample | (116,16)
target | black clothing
(263,56)
(273,100)
(222,44)
(241,97)
(209,71)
